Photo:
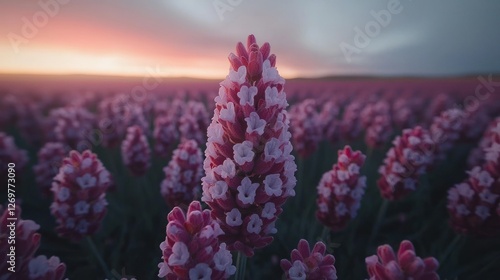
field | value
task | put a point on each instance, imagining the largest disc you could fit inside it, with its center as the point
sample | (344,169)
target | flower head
(79,191)
(341,189)
(135,151)
(411,155)
(248,165)
(191,249)
(183,173)
(386,265)
(309,264)
(50,158)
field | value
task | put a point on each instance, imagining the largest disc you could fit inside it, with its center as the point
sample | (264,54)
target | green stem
(452,246)
(378,222)
(241,264)
(98,256)
(324,234)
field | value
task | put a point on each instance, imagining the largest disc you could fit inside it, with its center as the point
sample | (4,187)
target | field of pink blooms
(252,177)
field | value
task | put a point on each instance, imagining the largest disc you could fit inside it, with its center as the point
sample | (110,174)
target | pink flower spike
(248,163)
(183,175)
(135,151)
(79,191)
(341,189)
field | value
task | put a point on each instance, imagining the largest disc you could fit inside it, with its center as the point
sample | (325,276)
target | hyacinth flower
(475,123)
(248,165)
(182,183)
(379,131)
(79,193)
(112,121)
(27,241)
(329,122)
(403,114)
(476,156)
(50,158)
(135,116)
(165,134)
(41,268)
(350,125)
(191,249)
(341,189)
(194,122)
(406,265)
(445,130)
(135,151)
(309,264)
(73,125)
(10,153)
(474,204)
(410,157)
(305,127)
(439,103)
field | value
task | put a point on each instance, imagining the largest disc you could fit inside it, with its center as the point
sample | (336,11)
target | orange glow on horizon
(53,61)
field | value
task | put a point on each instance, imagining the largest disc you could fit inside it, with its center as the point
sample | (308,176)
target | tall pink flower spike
(406,265)
(248,165)
(182,183)
(310,264)
(191,249)
(411,156)
(80,195)
(341,189)
(135,151)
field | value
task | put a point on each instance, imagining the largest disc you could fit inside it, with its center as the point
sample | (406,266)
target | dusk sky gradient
(190,38)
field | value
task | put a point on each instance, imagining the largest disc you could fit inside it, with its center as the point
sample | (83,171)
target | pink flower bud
(307,264)
(41,268)
(385,265)
(79,191)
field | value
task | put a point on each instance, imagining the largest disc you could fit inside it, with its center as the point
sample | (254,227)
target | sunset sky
(194,38)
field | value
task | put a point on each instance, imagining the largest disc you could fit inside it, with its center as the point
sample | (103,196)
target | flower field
(252,177)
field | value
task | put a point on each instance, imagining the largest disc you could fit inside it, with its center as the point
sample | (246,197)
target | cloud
(438,38)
